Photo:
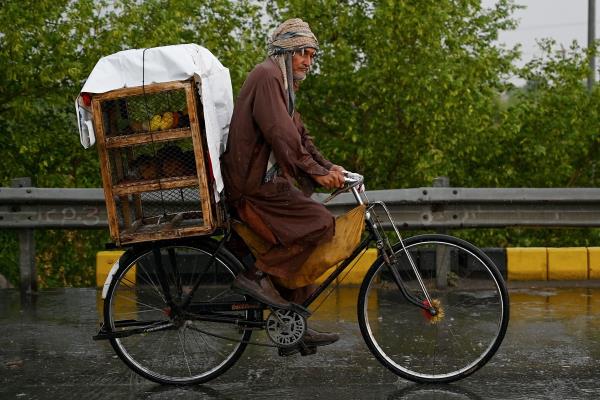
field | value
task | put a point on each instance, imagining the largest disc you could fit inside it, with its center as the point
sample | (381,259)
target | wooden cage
(154,163)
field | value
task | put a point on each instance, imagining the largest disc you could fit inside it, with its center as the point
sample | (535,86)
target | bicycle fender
(109,278)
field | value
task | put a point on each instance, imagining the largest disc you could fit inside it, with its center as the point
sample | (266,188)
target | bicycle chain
(189,325)
(253,343)
(193,328)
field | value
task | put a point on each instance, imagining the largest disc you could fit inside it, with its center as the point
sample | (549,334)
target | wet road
(551,350)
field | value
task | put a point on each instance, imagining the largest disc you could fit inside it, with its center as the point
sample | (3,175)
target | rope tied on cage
(148,116)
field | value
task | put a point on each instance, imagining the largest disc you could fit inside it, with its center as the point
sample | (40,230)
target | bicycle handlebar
(352,180)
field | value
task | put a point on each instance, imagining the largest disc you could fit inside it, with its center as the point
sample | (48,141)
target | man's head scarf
(291,36)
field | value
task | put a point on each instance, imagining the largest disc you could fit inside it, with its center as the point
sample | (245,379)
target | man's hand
(333,180)
(337,168)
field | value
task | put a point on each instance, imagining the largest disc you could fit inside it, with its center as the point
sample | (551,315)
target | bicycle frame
(217,312)
(373,227)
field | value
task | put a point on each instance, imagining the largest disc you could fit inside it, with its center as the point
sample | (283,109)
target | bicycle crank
(285,328)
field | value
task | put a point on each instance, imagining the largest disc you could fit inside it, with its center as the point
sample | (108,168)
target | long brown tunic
(279,212)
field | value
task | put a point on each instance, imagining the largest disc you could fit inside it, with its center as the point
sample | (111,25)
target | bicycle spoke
(210,346)
(153,284)
(198,344)
(136,301)
(162,341)
(184,354)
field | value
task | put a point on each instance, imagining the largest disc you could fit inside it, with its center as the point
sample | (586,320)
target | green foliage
(46,55)
(556,120)
(9,256)
(406,91)
(402,92)
(47,49)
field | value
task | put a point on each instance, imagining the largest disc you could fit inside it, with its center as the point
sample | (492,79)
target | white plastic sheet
(134,68)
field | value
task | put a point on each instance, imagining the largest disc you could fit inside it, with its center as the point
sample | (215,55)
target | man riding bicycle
(270,168)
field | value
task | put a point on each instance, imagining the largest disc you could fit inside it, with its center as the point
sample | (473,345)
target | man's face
(301,62)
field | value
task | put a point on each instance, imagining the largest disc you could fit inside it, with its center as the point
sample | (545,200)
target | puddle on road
(559,303)
(340,305)
(553,340)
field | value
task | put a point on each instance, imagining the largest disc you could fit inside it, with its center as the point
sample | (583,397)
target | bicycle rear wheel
(178,348)
(466,288)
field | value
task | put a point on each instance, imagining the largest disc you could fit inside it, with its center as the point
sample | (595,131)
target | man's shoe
(310,341)
(303,349)
(316,338)
(260,287)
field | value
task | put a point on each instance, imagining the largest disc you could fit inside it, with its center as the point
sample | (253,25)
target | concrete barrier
(593,262)
(527,263)
(355,273)
(567,263)
(352,276)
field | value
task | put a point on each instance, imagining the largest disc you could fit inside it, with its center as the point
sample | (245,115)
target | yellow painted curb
(358,272)
(341,304)
(104,262)
(353,275)
(567,263)
(325,275)
(106,259)
(527,263)
(593,262)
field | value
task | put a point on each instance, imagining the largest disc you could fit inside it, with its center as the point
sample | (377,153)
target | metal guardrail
(417,208)
(452,208)
(24,208)
(41,208)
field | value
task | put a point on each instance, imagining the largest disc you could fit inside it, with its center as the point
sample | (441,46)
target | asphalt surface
(551,351)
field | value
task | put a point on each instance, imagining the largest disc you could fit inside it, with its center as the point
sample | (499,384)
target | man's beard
(300,76)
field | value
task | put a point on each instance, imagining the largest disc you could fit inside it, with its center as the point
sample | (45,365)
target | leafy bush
(402,92)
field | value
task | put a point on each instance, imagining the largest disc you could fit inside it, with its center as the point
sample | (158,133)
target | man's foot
(303,349)
(259,286)
(310,341)
(316,338)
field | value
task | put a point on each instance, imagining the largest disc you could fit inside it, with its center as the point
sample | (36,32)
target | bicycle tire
(180,355)
(468,331)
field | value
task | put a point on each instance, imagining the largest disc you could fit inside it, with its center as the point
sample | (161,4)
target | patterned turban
(292,35)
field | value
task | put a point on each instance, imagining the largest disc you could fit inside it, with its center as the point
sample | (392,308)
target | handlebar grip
(352,177)
(351,180)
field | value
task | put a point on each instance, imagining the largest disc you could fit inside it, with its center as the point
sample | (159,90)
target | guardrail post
(27,268)
(442,253)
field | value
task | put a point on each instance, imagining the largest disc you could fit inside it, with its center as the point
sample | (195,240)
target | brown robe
(278,211)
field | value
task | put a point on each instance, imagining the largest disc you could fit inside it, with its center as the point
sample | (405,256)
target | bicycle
(431,308)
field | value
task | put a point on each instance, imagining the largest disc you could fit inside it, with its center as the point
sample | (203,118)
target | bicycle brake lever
(351,179)
(334,194)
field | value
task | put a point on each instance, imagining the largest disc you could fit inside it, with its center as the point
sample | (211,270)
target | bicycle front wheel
(466,289)
(177,345)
